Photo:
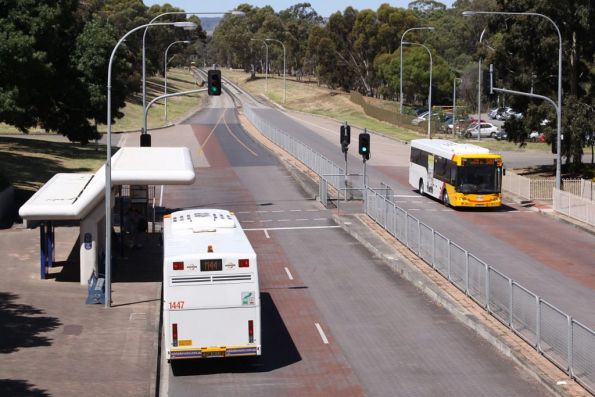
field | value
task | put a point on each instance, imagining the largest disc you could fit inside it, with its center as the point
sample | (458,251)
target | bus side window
(415,154)
(453,173)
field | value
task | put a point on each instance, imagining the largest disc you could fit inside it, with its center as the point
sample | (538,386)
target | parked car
(501,135)
(422,118)
(485,130)
(506,113)
(536,136)
(493,113)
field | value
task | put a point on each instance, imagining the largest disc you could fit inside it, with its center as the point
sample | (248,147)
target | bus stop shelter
(80,197)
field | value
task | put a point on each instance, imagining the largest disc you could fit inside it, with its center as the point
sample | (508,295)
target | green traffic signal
(214,82)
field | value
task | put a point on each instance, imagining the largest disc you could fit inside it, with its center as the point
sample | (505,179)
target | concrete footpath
(53,344)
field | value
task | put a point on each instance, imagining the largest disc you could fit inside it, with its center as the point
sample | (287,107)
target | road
(550,258)
(384,336)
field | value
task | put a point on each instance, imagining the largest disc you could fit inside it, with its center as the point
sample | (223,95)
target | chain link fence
(564,341)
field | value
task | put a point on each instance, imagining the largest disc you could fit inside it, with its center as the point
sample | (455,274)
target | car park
(485,130)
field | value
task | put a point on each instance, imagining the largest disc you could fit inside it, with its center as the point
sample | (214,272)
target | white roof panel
(447,149)
(73,196)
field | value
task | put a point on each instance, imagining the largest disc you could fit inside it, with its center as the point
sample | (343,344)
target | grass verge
(177,80)
(308,97)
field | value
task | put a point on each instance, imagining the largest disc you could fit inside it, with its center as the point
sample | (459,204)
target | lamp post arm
(146,112)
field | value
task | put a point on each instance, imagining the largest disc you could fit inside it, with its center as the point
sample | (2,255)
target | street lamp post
(266,66)
(479,89)
(165,62)
(108,163)
(454,104)
(152,23)
(430,91)
(559,105)
(401,73)
(284,69)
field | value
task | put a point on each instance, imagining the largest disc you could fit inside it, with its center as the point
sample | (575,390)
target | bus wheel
(421,187)
(445,199)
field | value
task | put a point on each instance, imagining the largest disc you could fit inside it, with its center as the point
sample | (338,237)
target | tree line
(360,50)
(54,58)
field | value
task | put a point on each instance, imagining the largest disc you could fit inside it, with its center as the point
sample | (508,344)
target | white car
(420,119)
(486,130)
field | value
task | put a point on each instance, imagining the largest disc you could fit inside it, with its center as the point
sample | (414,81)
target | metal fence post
(418,238)
(433,249)
(466,273)
(449,278)
(487,281)
(570,341)
(510,302)
(538,325)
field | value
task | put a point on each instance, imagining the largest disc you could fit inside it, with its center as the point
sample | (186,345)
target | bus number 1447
(176,305)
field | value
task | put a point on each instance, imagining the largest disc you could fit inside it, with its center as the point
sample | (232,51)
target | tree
(38,38)
(91,58)
(526,59)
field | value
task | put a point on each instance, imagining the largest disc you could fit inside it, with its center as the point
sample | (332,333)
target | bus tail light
(250,331)
(174,334)
(178,265)
(244,263)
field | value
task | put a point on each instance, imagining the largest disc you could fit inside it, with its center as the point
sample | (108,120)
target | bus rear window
(211,265)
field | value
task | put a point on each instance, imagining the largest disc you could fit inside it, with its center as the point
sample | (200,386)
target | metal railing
(315,161)
(564,341)
(567,343)
(573,206)
(538,189)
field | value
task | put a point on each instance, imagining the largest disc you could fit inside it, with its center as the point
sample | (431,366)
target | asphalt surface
(550,258)
(384,336)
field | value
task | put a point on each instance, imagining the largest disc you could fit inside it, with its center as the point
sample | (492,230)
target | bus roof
(447,149)
(189,233)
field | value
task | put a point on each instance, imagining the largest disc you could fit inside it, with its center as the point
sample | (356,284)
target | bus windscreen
(478,178)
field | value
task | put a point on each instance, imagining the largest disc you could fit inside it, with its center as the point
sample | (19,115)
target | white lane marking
(301,219)
(247,221)
(276,211)
(266,233)
(320,219)
(408,196)
(312,210)
(414,209)
(161,197)
(288,274)
(295,210)
(261,211)
(321,332)
(561,382)
(283,220)
(266,220)
(293,228)
(244,212)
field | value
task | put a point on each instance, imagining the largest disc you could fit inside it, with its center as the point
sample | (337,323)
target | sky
(323,7)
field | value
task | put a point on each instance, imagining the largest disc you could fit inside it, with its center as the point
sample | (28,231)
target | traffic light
(214,82)
(345,137)
(364,145)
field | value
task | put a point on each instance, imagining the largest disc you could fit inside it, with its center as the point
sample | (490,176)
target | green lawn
(29,163)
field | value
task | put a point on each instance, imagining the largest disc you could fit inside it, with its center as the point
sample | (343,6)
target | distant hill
(209,24)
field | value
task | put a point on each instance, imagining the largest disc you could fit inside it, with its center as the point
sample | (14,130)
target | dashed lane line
(288,274)
(321,332)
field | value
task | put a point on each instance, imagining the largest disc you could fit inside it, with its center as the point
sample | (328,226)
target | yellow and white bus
(211,296)
(460,175)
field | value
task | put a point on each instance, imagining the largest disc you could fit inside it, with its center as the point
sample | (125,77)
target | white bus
(461,175)
(211,297)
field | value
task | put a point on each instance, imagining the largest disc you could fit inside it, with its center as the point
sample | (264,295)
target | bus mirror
(503,171)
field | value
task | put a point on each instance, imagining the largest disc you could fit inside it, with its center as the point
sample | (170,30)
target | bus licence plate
(213,354)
